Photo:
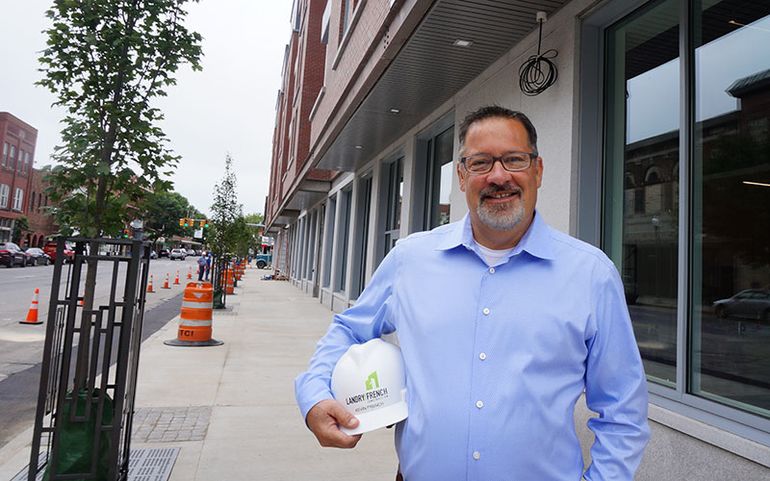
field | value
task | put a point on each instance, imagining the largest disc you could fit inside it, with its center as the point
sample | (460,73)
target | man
(208,265)
(202,267)
(503,323)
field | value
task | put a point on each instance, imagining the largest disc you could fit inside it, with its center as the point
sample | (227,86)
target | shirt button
(483,356)
(479,404)
(476,455)
(485,311)
(491,270)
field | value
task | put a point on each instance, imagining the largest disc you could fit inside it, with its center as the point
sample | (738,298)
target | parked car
(36,256)
(180,254)
(163,253)
(11,255)
(263,260)
(50,249)
(747,304)
(191,252)
(153,255)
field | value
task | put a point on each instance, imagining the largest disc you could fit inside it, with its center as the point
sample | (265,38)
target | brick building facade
(17,141)
(41,222)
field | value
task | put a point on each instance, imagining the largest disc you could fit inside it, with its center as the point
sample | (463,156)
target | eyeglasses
(512,162)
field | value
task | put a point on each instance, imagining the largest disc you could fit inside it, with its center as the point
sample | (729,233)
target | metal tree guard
(88,380)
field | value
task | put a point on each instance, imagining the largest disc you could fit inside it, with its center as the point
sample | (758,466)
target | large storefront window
(730,352)
(641,181)
(723,351)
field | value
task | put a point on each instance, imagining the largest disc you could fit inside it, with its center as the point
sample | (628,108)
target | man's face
(500,200)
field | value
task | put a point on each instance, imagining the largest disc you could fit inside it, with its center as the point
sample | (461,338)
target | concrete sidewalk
(231,408)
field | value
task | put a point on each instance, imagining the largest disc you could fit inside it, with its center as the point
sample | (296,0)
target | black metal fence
(90,360)
(220,269)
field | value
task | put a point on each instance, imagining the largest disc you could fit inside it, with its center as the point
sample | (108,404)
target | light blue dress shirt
(496,357)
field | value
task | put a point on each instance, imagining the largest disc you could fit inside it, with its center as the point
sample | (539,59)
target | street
(21,346)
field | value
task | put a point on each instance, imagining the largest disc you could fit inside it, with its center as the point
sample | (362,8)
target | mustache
(494,189)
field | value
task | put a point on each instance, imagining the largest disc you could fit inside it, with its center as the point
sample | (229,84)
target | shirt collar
(537,240)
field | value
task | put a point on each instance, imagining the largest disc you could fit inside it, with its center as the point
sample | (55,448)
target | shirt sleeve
(368,319)
(616,387)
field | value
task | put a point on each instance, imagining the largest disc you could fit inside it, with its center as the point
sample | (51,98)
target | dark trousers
(201,270)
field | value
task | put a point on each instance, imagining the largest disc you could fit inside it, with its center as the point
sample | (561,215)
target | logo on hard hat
(372,382)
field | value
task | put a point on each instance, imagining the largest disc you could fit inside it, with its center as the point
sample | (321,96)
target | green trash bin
(76,438)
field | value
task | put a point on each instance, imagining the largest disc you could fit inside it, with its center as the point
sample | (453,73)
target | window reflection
(641,181)
(731,207)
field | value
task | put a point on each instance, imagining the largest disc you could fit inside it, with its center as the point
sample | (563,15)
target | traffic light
(182,222)
(203,224)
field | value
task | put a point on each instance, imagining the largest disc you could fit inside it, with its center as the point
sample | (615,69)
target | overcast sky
(228,107)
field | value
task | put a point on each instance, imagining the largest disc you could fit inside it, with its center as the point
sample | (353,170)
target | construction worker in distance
(503,323)
(201,267)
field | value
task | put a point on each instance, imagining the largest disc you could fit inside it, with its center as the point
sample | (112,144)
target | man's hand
(324,420)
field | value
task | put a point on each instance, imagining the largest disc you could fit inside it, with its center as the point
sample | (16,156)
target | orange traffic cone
(150,289)
(176,279)
(32,313)
(189,273)
(165,283)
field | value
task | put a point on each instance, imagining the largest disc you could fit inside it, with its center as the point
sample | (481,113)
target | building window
(439,179)
(346,15)
(642,53)
(363,208)
(4,191)
(18,199)
(325,22)
(12,159)
(718,364)
(343,235)
(32,202)
(730,275)
(329,240)
(5,153)
(393,187)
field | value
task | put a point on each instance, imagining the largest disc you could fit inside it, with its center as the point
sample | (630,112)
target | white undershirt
(494,257)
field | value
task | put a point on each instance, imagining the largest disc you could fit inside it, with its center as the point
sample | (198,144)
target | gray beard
(500,217)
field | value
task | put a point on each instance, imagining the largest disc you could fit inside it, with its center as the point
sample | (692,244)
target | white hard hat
(370,382)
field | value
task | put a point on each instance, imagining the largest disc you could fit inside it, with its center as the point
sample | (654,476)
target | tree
(162,211)
(105,61)
(253,218)
(225,211)
(20,226)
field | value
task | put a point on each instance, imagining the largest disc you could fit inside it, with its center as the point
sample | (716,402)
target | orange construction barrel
(196,316)
(229,281)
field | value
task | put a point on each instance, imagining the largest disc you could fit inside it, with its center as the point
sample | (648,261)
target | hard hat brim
(379,419)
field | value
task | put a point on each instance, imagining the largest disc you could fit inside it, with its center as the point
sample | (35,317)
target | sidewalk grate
(145,464)
(151,464)
(170,424)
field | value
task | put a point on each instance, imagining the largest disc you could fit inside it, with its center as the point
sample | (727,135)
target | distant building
(41,222)
(17,141)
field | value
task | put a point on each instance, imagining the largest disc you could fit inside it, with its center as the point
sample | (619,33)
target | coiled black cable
(538,72)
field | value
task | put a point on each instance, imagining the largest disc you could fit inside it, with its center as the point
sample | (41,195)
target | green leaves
(106,61)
